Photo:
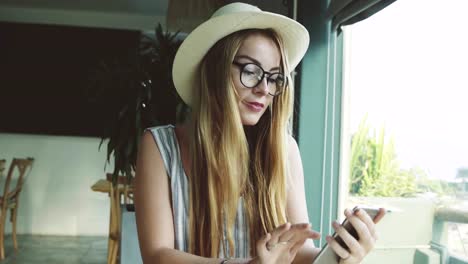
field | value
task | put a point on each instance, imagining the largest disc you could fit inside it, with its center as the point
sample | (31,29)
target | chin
(250,118)
(250,121)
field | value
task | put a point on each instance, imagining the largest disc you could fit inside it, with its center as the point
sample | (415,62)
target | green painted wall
(319,117)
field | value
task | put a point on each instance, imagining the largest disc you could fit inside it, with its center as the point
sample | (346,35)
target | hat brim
(192,50)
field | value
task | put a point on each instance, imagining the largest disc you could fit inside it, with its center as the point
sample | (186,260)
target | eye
(276,78)
(272,80)
(280,80)
(248,72)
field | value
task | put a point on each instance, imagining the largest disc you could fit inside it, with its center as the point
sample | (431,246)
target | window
(405,112)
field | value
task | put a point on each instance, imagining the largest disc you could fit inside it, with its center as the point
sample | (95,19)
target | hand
(281,245)
(357,248)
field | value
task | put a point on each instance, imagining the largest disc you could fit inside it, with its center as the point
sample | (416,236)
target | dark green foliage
(145,96)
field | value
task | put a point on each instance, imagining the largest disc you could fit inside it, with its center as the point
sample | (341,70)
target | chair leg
(111,241)
(2,248)
(110,246)
(114,253)
(2,235)
(13,221)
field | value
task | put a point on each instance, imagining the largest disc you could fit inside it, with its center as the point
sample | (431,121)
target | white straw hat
(226,20)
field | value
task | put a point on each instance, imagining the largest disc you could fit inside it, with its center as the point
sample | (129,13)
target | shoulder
(293,149)
(295,173)
(159,129)
(161,135)
(156,138)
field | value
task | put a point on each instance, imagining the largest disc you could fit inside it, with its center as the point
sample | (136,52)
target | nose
(262,87)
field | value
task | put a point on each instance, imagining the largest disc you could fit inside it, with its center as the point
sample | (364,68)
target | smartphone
(327,255)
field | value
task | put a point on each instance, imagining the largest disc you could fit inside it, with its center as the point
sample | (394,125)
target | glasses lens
(276,83)
(251,75)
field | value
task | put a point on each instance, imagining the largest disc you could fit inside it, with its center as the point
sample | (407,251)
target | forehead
(261,48)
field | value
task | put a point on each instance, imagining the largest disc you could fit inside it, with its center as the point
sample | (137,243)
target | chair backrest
(17,165)
(2,166)
(123,182)
(120,180)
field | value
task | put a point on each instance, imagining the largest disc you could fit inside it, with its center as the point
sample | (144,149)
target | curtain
(347,12)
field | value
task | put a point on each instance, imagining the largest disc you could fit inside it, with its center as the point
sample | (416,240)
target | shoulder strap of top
(166,142)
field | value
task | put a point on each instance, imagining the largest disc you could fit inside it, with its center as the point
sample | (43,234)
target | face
(260,51)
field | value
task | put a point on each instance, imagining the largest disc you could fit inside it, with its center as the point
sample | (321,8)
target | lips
(255,106)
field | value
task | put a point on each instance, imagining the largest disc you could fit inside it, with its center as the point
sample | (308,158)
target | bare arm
(296,203)
(153,209)
(155,224)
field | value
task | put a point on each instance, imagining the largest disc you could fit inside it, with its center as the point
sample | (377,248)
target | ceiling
(124,14)
(121,14)
(148,7)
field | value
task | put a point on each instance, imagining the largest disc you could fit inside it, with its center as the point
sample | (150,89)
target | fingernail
(328,239)
(335,224)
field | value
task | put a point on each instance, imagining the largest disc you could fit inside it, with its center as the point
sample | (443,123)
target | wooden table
(115,195)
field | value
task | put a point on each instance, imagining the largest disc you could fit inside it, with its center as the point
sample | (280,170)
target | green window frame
(319,121)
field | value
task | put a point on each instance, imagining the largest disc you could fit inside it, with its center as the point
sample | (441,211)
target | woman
(227,187)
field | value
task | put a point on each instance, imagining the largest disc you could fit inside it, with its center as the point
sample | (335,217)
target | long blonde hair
(230,161)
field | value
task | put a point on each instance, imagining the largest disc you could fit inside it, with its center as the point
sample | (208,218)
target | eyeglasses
(251,75)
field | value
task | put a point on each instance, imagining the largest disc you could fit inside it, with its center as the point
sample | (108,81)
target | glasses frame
(242,66)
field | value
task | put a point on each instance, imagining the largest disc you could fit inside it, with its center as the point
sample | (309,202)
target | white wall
(57,198)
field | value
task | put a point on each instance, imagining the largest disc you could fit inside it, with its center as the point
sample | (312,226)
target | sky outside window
(409,72)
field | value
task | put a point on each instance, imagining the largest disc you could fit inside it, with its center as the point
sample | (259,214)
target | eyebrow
(256,61)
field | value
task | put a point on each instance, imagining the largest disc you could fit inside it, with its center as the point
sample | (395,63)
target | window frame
(319,119)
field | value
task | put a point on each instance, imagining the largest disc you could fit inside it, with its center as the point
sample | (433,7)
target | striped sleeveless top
(166,141)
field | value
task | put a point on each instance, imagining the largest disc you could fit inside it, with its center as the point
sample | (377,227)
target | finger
(367,220)
(347,238)
(379,215)
(339,250)
(296,247)
(365,237)
(312,234)
(296,228)
(277,232)
(306,234)
(261,244)
(301,226)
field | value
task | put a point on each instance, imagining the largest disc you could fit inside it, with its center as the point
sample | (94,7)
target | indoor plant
(146,93)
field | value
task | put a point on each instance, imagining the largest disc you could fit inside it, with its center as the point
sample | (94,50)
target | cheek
(240,89)
(269,101)
(236,82)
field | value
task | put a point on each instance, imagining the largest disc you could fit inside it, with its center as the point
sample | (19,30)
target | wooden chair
(10,198)
(126,196)
(114,226)
(2,166)
(119,195)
